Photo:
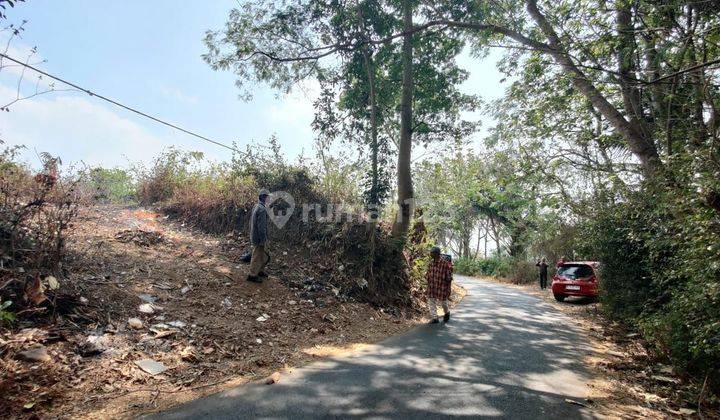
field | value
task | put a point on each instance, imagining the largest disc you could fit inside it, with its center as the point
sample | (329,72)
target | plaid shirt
(439,278)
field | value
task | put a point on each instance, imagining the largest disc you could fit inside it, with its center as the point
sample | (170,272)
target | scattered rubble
(37,354)
(151,366)
(112,336)
(139,237)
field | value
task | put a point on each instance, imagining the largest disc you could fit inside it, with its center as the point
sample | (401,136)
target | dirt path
(209,328)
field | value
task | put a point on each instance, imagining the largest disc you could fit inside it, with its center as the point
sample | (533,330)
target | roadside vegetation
(606,147)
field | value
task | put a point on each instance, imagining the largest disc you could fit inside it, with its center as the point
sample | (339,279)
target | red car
(576,279)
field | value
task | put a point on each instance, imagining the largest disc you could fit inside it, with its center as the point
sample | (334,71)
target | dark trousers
(543,281)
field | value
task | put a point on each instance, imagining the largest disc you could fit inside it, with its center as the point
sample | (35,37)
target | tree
(353,51)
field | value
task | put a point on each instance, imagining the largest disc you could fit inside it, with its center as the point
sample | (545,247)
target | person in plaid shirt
(439,279)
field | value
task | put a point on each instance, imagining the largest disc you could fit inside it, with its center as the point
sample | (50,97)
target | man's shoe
(434,321)
(262,274)
(446,317)
(254,279)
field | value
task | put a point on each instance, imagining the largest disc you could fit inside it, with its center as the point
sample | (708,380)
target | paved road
(504,354)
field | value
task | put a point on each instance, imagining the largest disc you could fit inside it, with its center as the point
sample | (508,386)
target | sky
(147,54)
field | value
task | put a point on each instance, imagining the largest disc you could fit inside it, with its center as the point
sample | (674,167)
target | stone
(177,324)
(147,298)
(37,354)
(189,353)
(135,323)
(146,308)
(272,379)
(151,366)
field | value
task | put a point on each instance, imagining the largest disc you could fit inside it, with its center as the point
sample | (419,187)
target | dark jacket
(259,224)
(543,268)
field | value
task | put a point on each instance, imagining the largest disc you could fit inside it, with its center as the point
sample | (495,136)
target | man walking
(439,280)
(258,238)
(543,267)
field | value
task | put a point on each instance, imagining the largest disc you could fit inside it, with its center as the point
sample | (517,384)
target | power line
(116,103)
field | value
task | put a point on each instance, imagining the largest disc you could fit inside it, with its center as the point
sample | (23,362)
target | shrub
(524,272)
(467,266)
(109,185)
(661,273)
(169,171)
(35,212)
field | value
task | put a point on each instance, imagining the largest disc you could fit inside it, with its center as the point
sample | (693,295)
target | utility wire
(116,103)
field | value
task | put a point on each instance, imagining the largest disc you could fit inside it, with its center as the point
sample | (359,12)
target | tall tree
(353,49)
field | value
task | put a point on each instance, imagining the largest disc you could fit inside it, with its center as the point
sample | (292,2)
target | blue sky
(147,54)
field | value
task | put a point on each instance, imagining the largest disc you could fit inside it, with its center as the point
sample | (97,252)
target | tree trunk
(404,177)
(641,146)
(374,199)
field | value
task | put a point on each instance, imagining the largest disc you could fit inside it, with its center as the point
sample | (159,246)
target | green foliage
(5,315)
(495,266)
(114,185)
(167,173)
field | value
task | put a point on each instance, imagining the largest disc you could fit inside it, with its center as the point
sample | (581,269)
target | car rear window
(575,271)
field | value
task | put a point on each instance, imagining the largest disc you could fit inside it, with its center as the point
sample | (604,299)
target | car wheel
(559,298)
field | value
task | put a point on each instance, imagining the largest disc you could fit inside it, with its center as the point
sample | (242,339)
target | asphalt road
(504,354)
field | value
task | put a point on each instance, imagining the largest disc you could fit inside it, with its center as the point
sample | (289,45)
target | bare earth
(209,328)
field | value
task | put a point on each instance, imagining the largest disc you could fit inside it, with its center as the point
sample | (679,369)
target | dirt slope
(209,328)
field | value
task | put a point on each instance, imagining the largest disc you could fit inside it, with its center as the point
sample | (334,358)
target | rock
(329,317)
(259,341)
(226,303)
(262,318)
(177,324)
(93,345)
(146,308)
(665,379)
(135,323)
(151,366)
(272,379)
(37,354)
(292,302)
(185,289)
(84,300)
(666,370)
(147,298)
(189,353)
(164,334)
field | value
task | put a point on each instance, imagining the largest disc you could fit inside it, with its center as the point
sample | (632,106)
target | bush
(35,211)
(495,266)
(169,171)
(109,185)
(524,272)
(661,273)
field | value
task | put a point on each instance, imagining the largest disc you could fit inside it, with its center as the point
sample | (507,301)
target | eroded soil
(209,328)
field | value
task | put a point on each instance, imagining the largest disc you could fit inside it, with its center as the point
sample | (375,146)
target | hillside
(208,327)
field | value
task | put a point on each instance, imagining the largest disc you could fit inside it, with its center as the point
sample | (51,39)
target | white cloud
(178,95)
(76,128)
